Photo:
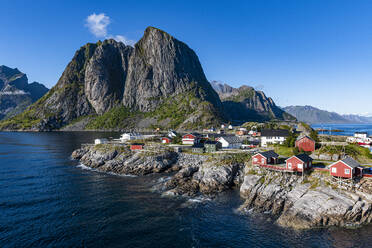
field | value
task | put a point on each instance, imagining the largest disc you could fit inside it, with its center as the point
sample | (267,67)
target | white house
(361,138)
(273,136)
(130,136)
(361,135)
(231,142)
(100,141)
(191,139)
(230,127)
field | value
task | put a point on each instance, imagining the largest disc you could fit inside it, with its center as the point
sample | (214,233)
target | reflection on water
(46,200)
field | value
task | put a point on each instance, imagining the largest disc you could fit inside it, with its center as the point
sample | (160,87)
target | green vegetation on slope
(178,108)
(114,118)
(25,120)
(360,153)
(243,94)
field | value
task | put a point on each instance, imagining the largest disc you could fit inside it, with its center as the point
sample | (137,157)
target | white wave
(120,175)
(197,200)
(84,167)
(164,179)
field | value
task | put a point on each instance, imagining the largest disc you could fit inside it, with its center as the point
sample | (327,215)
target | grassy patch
(114,118)
(284,151)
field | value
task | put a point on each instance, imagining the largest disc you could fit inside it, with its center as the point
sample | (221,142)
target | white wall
(271,140)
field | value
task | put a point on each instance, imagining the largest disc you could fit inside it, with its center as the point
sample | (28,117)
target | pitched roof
(304,136)
(351,162)
(361,133)
(194,134)
(269,154)
(210,142)
(232,139)
(274,132)
(304,157)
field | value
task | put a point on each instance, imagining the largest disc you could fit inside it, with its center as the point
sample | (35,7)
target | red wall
(305,144)
(136,147)
(294,161)
(259,157)
(340,170)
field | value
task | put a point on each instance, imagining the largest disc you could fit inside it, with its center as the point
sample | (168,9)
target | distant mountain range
(16,94)
(312,115)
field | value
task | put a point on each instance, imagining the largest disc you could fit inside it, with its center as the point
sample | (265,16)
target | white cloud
(123,39)
(97,25)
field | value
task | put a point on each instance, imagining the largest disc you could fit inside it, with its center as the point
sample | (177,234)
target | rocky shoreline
(292,201)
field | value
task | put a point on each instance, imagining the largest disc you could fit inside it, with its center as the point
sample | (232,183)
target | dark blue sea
(347,129)
(47,200)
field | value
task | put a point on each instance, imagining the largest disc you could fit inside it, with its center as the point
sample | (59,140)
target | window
(255,159)
(299,166)
(334,170)
(347,171)
(263,160)
(289,165)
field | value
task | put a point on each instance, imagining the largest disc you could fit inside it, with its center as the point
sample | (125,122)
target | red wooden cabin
(265,158)
(346,168)
(137,146)
(299,163)
(165,140)
(305,144)
(191,138)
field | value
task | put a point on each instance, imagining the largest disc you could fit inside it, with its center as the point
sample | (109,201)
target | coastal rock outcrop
(122,160)
(194,173)
(301,204)
(294,201)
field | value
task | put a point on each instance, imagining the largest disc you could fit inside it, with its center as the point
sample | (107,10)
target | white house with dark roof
(230,142)
(273,136)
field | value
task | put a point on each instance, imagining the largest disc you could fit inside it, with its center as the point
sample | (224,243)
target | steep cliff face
(105,75)
(245,103)
(159,82)
(161,67)
(15,92)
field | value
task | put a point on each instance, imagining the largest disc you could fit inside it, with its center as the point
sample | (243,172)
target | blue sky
(314,52)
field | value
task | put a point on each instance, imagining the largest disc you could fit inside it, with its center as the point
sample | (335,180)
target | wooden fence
(280,168)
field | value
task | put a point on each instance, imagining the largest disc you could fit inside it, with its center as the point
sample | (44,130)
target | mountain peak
(245,103)
(15,92)
(160,80)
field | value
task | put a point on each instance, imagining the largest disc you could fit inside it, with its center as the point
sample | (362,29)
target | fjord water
(46,200)
(346,129)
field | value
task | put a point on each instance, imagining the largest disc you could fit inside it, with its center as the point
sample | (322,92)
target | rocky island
(316,201)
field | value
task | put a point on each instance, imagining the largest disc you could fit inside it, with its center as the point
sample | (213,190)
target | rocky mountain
(108,85)
(16,93)
(312,115)
(358,118)
(246,104)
